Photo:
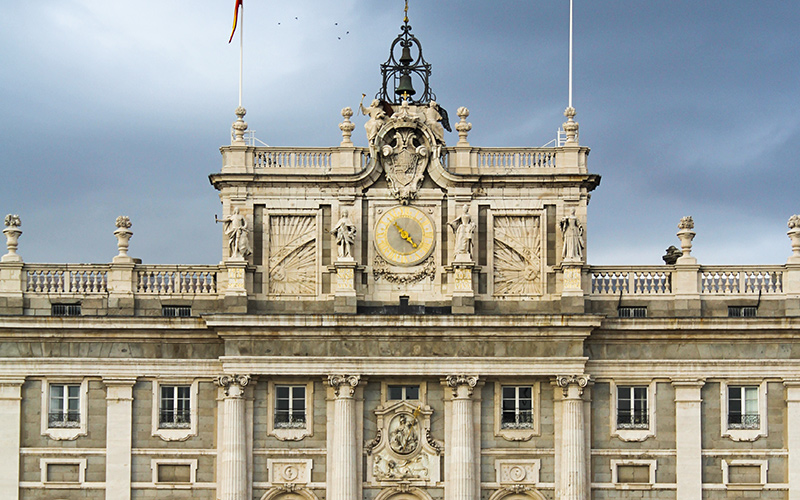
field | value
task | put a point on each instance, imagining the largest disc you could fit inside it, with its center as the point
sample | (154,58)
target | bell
(405,57)
(405,86)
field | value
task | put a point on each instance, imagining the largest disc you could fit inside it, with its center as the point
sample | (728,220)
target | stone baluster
(463,483)
(344,468)
(573,468)
(233,476)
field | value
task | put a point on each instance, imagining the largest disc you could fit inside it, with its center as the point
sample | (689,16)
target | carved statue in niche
(572,230)
(235,228)
(463,228)
(345,232)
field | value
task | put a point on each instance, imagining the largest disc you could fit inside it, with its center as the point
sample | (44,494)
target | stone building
(407,321)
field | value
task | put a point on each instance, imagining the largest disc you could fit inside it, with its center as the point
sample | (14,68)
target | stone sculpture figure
(404,437)
(235,228)
(572,231)
(377,116)
(434,120)
(463,228)
(345,232)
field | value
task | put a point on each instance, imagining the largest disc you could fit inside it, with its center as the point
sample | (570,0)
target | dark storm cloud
(113,108)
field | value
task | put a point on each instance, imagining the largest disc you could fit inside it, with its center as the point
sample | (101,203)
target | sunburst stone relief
(293,255)
(517,255)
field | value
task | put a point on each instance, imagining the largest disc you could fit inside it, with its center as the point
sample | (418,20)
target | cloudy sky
(119,107)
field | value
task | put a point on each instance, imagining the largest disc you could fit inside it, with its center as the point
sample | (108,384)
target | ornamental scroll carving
(403,449)
(293,255)
(517,255)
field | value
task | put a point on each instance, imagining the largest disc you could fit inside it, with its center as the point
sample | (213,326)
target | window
(743,407)
(174,416)
(290,407)
(176,311)
(742,311)
(65,309)
(65,406)
(291,417)
(632,410)
(633,413)
(743,410)
(517,407)
(403,392)
(632,312)
(515,411)
(175,410)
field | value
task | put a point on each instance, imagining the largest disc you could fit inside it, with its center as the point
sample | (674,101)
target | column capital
(344,385)
(233,384)
(579,381)
(467,381)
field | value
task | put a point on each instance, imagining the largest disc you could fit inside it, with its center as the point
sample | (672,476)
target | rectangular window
(403,392)
(517,407)
(632,412)
(175,407)
(65,406)
(632,312)
(65,310)
(176,311)
(742,311)
(290,407)
(743,407)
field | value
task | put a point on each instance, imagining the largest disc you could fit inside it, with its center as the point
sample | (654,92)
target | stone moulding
(382,270)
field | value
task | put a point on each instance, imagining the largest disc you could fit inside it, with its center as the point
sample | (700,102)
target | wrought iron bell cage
(398,71)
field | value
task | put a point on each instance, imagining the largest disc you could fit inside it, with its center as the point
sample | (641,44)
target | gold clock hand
(404,234)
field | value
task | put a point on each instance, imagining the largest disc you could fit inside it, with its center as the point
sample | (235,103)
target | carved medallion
(517,255)
(404,434)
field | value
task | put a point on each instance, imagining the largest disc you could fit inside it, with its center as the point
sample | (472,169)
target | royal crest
(405,158)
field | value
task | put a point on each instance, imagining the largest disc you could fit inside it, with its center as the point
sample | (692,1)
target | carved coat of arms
(404,161)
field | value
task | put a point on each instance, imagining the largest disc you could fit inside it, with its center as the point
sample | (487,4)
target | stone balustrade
(176,280)
(66,278)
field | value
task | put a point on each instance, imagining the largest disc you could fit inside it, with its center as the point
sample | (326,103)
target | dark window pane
(282,391)
(412,392)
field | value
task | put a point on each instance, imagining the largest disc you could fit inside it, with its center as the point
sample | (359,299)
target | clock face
(404,236)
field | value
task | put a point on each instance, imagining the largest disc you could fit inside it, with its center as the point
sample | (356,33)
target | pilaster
(688,438)
(345,298)
(793,435)
(233,474)
(120,289)
(573,458)
(463,480)
(10,415)
(11,288)
(236,286)
(119,431)
(344,479)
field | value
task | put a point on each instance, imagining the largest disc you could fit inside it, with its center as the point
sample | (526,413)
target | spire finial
(405,11)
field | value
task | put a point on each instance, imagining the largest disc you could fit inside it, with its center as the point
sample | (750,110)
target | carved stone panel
(517,255)
(293,255)
(517,471)
(289,471)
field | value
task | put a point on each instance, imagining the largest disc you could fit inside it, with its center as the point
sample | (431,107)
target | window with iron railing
(176,311)
(632,312)
(175,407)
(517,407)
(65,404)
(290,407)
(743,407)
(65,310)
(632,411)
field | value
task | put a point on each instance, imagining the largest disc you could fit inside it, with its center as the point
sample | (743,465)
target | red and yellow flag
(235,17)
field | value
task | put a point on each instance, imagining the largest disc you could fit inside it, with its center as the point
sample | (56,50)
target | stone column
(793,435)
(10,415)
(573,444)
(233,476)
(463,482)
(119,432)
(344,468)
(688,438)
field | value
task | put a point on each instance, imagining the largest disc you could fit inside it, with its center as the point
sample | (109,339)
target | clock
(404,235)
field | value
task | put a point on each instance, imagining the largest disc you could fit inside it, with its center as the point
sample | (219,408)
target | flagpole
(570,53)
(241,52)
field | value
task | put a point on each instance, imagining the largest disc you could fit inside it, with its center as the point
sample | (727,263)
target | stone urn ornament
(12,232)
(686,235)
(123,234)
